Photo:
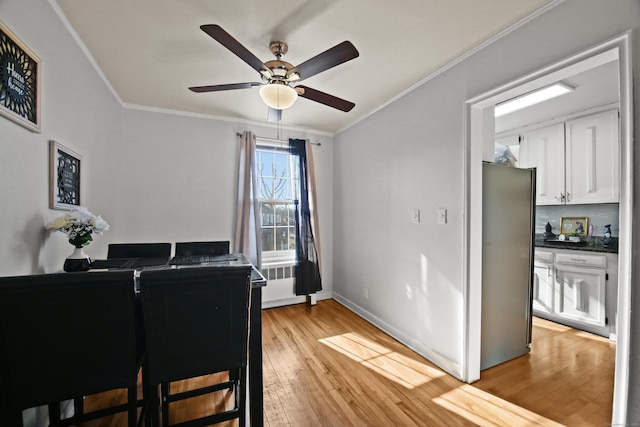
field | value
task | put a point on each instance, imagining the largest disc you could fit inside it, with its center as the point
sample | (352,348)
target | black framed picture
(64,178)
(19,81)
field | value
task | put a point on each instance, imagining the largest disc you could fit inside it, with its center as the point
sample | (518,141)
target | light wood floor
(325,366)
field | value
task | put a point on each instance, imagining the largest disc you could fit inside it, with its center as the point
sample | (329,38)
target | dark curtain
(308,279)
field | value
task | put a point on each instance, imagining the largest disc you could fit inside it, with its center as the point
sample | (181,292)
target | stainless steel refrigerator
(508,222)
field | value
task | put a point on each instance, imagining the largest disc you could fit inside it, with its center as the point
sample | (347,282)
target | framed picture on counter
(19,81)
(574,225)
(64,177)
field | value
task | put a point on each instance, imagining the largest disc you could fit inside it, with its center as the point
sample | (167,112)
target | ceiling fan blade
(235,47)
(215,88)
(337,55)
(325,98)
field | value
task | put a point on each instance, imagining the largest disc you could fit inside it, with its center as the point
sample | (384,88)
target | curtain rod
(279,141)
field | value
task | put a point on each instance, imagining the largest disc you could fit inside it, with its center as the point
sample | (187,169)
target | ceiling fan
(279,89)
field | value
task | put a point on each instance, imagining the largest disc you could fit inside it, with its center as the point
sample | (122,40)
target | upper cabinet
(576,162)
(592,174)
(543,149)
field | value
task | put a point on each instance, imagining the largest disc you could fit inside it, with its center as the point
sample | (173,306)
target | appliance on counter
(508,218)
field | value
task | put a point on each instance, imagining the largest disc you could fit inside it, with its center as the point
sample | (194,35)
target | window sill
(270,263)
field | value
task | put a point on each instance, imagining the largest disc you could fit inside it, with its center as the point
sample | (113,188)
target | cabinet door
(543,288)
(592,159)
(580,294)
(543,149)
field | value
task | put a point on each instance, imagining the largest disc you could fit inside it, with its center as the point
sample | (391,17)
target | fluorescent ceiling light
(532,98)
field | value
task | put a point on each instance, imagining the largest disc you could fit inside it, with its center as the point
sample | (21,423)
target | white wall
(154,176)
(410,155)
(79,112)
(386,166)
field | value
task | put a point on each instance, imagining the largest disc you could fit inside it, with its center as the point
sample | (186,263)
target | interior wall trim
(478,119)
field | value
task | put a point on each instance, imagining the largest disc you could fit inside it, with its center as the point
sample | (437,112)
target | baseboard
(443,362)
(322,295)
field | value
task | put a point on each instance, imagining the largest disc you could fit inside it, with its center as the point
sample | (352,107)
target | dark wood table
(256,415)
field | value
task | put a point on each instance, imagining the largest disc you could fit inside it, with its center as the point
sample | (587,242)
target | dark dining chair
(64,336)
(197,323)
(139,250)
(219,247)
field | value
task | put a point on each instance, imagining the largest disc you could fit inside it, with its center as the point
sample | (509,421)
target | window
(278,183)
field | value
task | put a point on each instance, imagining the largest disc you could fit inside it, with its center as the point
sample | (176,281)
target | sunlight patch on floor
(484,409)
(550,325)
(594,337)
(398,368)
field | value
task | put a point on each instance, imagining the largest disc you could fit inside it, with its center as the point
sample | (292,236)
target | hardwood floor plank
(325,366)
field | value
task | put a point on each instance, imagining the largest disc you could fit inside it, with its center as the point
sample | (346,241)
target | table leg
(256,415)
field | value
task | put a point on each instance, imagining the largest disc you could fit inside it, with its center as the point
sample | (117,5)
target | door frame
(479,145)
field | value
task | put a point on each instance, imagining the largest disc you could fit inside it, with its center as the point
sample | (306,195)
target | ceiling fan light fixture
(278,96)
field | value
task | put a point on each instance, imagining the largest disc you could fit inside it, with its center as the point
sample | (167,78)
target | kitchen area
(572,141)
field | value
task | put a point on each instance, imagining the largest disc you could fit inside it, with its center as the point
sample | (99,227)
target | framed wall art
(574,226)
(19,81)
(64,177)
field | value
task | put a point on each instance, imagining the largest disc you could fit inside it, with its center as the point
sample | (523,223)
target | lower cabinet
(543,289)
(578,289)
(580,293)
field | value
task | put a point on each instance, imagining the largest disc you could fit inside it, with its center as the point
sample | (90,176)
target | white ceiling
(151,51)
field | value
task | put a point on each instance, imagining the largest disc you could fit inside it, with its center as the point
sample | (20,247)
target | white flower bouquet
(79,225)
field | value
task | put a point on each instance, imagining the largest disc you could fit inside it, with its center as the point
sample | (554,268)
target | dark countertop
(589,244)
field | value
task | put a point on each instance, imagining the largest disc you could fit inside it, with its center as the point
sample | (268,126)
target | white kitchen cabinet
(576,288)
(580,293)
(543,280)
(543,149)
(576,162)
(592,167)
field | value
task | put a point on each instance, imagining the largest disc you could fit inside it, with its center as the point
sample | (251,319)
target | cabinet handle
(549,271)
(578,260)
(568,196)
(561,197)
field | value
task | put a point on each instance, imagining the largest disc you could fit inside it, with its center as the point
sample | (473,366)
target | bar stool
(197,323)
(219,247)
(67,335)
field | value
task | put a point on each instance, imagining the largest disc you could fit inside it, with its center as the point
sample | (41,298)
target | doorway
(480,135)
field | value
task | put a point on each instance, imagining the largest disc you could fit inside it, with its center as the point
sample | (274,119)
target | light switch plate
(442,216)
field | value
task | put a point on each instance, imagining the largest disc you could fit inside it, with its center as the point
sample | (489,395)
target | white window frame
(283,257)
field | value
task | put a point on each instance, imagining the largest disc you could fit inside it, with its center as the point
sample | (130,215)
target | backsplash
(599,216)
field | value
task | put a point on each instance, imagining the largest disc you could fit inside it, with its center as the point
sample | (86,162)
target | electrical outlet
(365,293)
